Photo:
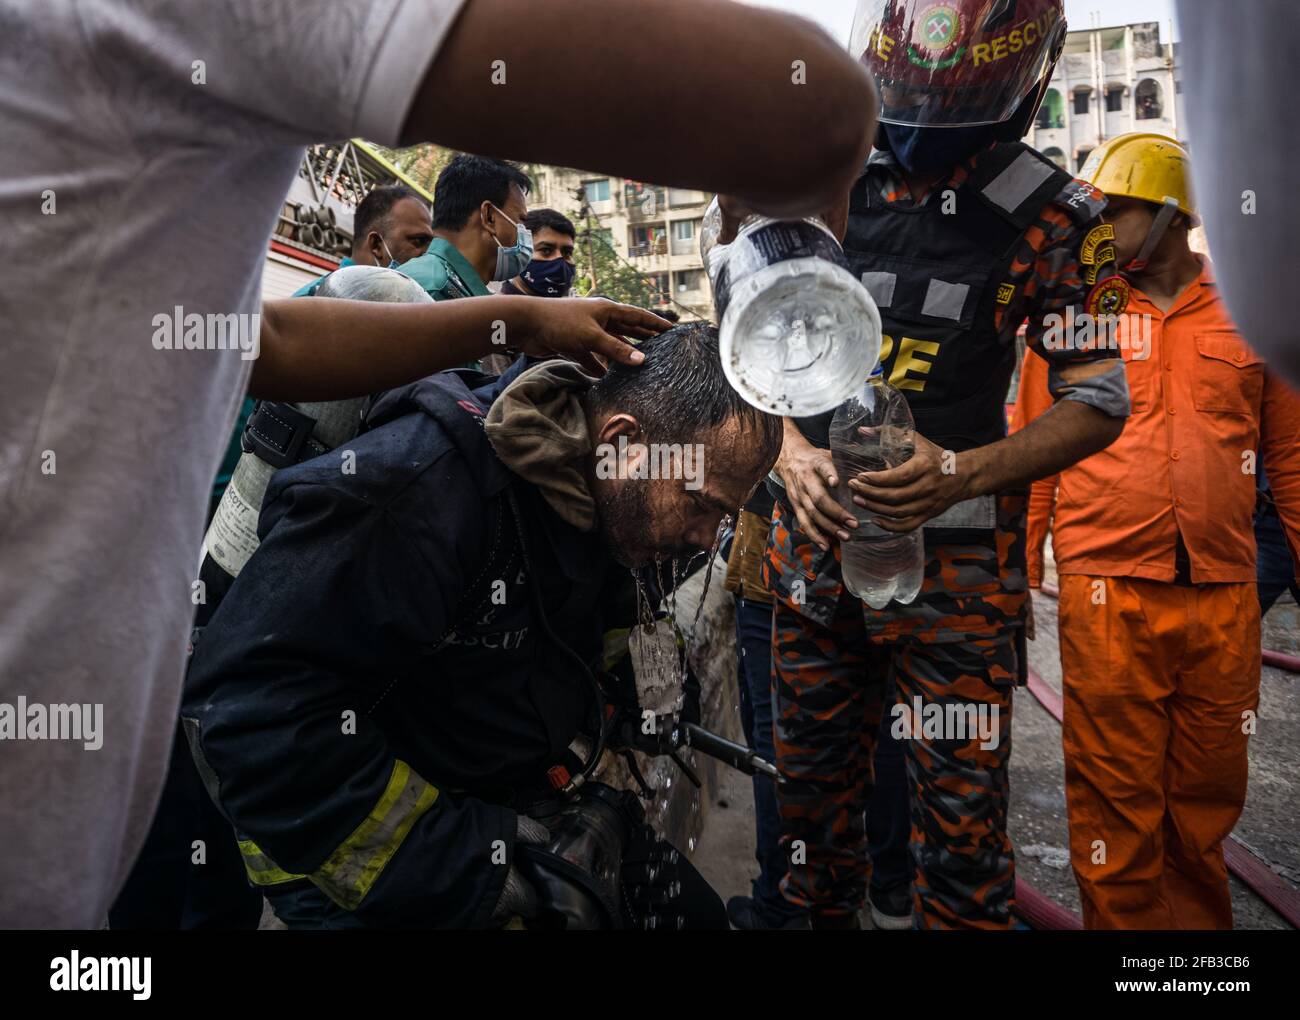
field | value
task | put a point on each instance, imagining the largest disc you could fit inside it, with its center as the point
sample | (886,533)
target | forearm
(1063,436)
(726,63)
(326,349)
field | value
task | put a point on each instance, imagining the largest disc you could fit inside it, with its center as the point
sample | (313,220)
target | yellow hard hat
(1147,166)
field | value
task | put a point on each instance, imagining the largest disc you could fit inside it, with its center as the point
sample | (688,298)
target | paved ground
(1038,826)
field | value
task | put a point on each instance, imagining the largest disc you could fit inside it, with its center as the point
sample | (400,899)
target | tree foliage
(598,261)
(421,163)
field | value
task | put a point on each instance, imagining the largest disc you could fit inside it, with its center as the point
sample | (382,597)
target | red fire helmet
(950,63)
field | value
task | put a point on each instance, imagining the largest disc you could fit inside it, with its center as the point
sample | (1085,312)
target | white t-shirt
(137,183)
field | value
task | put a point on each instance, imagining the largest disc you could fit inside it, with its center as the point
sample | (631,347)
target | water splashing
(723,525)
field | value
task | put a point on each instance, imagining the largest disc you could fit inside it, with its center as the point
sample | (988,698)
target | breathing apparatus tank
(282,434)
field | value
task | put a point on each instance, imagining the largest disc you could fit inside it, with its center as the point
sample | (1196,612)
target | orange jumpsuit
(1161,663)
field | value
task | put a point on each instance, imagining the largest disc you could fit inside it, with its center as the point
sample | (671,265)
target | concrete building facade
(656,230)
(1109,81)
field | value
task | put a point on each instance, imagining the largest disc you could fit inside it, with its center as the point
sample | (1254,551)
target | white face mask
(513,260)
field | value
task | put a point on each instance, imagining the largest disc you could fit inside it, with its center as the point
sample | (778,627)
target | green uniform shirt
(444,273)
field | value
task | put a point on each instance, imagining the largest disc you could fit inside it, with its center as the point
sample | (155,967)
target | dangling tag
(657,665)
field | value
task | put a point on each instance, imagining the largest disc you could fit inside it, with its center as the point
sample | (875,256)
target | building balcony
(1078,65)
(648,259)
(700,302)
(680,198)
(642,250)
(645,204)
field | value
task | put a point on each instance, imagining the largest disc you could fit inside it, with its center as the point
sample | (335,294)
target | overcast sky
(837,15)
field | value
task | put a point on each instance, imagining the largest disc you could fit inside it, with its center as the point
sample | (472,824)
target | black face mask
(549,277)
(924,150)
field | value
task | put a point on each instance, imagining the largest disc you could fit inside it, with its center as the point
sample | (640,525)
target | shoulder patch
(1083,202)
(1092,253)
(1110,297)
(1096,252)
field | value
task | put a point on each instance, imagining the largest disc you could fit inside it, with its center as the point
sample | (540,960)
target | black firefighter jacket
(379,679)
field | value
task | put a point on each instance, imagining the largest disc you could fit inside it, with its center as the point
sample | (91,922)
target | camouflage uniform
(957,648)
(953,645)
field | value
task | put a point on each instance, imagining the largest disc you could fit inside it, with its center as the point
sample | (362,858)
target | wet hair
(671,314)
(467,182)
(373,210)
(680,390)
(544,219)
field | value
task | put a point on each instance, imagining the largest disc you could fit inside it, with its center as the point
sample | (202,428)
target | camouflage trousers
(953,656)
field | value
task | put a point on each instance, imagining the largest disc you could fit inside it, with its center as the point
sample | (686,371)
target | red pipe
(1280,660)
(1263,879)
(1038,911)
(1047,697)
(312,259)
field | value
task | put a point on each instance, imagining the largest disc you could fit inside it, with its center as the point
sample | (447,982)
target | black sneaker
(892,910)
(745,914)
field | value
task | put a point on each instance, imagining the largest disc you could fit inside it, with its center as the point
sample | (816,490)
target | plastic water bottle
(872,431)
(796,328)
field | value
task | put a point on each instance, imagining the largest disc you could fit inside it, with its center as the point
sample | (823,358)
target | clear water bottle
(873,431)
(796,327)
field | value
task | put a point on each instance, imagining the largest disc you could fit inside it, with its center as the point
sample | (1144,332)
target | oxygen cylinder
(232,536)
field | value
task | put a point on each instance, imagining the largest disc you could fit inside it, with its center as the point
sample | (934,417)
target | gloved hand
(576,874)
(518,897)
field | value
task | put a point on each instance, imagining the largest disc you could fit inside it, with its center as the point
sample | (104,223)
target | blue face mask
(513,260)
(549,277)
(924,150)
(392,262)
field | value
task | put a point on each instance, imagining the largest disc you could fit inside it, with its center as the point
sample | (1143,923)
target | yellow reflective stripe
(357,862)
(261,869)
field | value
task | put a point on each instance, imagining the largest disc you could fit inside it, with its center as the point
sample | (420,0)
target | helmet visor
(955,63)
